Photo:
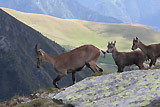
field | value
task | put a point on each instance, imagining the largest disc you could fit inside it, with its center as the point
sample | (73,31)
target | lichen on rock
(133,88)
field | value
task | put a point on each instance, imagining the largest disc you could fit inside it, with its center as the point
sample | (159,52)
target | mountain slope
(68,9)
(136,11)
(18,72)
(72,33)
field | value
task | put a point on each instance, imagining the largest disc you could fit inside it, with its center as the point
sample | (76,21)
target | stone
(133,88)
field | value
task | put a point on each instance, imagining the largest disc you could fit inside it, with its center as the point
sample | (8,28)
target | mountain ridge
(59,8)
(127,10)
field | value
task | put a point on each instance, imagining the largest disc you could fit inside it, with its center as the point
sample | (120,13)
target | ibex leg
(93,67)
(59,77)
(74,77)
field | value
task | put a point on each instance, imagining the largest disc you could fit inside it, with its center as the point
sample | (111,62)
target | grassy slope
(72,33)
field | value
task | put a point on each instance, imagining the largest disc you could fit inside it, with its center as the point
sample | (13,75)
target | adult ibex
(123,59)
(70,62)
(151,51)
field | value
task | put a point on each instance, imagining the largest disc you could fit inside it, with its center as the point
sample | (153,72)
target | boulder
(133,88)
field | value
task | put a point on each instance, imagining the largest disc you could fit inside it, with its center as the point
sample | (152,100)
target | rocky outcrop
(127,89)
(133,88)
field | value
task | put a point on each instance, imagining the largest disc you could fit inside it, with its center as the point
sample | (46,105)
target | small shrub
(48,90)
(96,74)
(39,103)
(156,67)
(99,74)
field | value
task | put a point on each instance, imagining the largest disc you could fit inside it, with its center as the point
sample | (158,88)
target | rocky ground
(134,88)
(127,89)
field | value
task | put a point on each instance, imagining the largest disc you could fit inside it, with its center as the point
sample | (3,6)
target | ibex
(70,62)
(151,51)
(123,59)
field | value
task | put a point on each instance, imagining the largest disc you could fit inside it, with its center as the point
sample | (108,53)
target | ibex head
(111,47)
(40,56)
(135,43)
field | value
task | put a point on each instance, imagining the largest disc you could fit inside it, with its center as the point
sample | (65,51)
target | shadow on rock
(60,102)
(154,103)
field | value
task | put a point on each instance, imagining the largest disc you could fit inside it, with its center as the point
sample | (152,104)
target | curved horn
(37,47)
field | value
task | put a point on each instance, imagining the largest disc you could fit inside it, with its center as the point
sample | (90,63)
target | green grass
(48,90)
(40,103)
(96,74)
(156,67)
(72,33)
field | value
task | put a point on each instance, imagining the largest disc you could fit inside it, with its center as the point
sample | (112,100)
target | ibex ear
(114,43)
(37,47)
(108,43)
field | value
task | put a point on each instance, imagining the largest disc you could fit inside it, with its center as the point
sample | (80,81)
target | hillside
(18,70)
(72,33)
(127,89)
(67,9)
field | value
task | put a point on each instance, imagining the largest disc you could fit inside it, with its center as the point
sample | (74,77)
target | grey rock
(134,88)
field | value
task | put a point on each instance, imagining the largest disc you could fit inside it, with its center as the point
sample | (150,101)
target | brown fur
(151,51)
(71,61)
(123,59)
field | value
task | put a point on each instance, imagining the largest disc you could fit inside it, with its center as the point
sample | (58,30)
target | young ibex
(70,62)
(151,51)
(123,59)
